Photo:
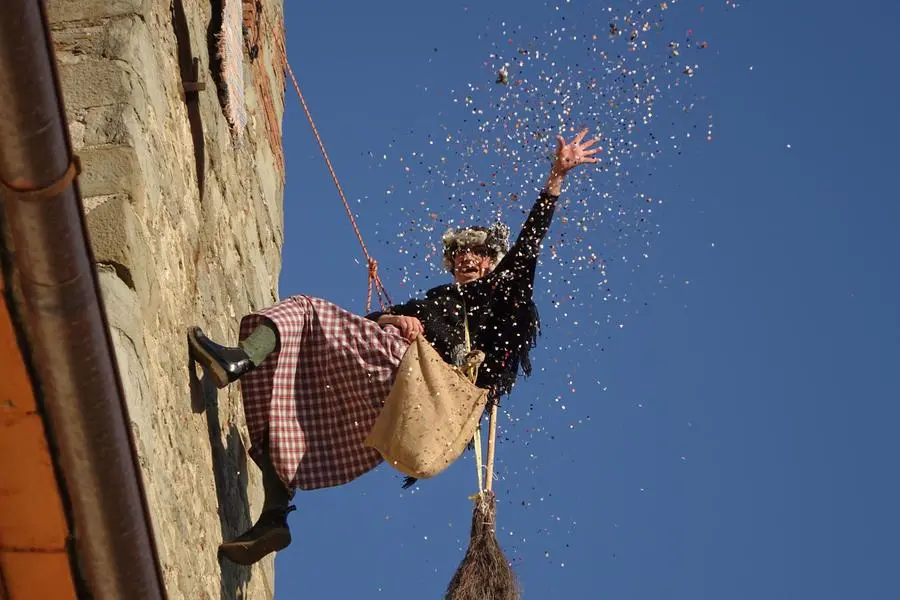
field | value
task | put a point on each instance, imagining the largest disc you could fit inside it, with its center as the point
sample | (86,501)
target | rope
(471,369)
(374,279)
(383,298)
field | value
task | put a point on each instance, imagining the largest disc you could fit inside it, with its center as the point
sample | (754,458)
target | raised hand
(568,156)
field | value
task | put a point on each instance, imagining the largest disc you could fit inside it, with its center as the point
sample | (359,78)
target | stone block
(123,312)
(89,83)
(105,125)
(76,133)
(110,39)
(109,170)
(117,240)
(65,11)
(73,42)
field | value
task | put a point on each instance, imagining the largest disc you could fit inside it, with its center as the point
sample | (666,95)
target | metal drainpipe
(66,321)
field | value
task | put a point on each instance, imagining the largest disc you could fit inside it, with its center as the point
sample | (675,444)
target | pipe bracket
(51,191)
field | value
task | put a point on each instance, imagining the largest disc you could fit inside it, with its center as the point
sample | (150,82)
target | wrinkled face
(471,263)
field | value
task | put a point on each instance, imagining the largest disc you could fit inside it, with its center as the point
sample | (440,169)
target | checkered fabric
(314,400)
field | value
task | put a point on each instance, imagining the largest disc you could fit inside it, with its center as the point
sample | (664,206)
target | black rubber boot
(269,534)
(226,365)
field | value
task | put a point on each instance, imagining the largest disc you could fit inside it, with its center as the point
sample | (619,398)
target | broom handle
(492,439)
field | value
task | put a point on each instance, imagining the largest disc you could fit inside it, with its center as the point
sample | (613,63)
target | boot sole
(248,553)
(207,360)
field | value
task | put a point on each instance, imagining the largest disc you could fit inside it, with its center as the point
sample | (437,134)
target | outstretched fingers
(576,152)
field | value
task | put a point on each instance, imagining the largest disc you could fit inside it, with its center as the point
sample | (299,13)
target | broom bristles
(484,573)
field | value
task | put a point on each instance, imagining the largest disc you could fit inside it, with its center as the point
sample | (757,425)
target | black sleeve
(409,309)
(521,259)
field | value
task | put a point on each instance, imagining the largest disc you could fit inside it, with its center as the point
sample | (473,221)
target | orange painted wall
(33,529)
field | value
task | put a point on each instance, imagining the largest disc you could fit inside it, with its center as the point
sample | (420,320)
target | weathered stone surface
(169,258)
(105,126)
(117,240)
(90,83)
(65,11)
(107,170)
(121,303)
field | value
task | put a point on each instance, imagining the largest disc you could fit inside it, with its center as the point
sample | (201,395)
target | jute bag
(430,414)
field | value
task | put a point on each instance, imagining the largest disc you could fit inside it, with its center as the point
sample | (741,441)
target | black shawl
(502,317)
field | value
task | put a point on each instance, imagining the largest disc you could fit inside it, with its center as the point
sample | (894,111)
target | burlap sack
(429,416)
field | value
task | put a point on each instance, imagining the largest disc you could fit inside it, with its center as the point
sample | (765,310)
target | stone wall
(187,228)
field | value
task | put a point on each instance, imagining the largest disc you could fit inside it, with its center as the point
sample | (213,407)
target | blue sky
(715,420)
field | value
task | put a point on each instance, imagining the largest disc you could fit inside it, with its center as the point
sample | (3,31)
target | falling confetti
(638,84)
(554,82)
(503,76)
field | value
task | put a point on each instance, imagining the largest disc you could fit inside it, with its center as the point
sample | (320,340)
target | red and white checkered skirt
(314,400)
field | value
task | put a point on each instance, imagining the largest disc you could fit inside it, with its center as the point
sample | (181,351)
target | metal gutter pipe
(65,319)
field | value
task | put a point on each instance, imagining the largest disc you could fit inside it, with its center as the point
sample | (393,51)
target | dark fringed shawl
(503,323)
(523,325)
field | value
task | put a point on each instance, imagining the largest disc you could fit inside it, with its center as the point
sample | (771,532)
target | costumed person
(314,376)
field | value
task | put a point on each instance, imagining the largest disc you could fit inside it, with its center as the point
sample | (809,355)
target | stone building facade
(184,212)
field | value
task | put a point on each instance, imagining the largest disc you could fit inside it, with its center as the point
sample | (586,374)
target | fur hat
(495,238)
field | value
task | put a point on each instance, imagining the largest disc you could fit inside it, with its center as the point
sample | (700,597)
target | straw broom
(484,573)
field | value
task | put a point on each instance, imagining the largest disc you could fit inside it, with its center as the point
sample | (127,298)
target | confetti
(503,76)
(639,86)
